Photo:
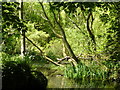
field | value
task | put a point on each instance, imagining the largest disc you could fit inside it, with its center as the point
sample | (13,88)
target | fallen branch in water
(69,59)
(62,59)
(79,56)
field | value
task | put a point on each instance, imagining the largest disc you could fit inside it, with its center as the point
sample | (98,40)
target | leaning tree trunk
(63,36)
(67,44)
(65,40)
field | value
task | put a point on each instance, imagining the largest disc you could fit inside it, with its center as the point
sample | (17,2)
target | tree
(63,37)
(22,31)
(113,44)
(9,19)
(11,27)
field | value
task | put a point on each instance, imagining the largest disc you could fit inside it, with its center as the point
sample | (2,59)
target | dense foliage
(11,27)
(18,74)
(85,35)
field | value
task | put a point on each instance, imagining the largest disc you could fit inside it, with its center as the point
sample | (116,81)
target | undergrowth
(93,71)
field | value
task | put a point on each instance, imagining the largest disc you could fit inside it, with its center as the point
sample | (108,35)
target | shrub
(19,75)
(91,72)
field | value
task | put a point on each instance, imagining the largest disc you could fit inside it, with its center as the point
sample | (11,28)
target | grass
(90,70)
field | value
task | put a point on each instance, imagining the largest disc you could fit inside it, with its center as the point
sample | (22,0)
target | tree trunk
(64,50)
(63,37)
(67,45)
(90,32)
(65,40)
(22,31)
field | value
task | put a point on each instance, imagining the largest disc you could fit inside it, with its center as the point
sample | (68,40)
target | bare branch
(92,20)
(42,53)
(88,28)
(76,25)
(49,21)
(34,45)
(52,61)
(62,59)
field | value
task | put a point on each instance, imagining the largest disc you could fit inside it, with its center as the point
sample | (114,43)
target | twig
(76,25)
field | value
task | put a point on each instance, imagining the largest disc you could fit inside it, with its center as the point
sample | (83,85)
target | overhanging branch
(34,45)
(49,21)
(42,53)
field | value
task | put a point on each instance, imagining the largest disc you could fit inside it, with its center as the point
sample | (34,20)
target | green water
(62,82)
(56,79)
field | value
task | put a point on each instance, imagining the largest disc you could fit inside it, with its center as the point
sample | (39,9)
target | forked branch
(64,38)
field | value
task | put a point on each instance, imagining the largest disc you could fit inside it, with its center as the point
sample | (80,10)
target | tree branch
(64,38)
(76,25)
(34,45)
(88,28)
(42,53)
(92,20)
(49,21)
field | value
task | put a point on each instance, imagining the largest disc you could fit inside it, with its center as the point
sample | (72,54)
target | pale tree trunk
(22,31)
(64,50)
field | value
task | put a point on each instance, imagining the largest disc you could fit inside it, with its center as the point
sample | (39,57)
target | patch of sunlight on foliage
(39,35)
(30,27)
(54,48)
(100,31)
(40,38)
(16,58)
(77,40)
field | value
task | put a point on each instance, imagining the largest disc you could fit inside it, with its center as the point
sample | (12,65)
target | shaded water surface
(57,80)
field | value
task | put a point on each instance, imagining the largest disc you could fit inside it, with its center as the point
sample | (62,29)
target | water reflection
(57,80)
(62,82)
